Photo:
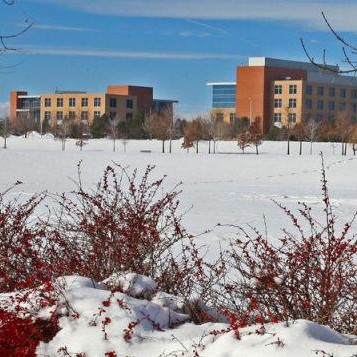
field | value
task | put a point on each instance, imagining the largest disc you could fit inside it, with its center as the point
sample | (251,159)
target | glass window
(277,103)
(320,91)
(84,116)
(96,114)
(342,106)
(320,104)
(47,102)
(219,116)
(129,103)
(308,103)
(353,94)
(59,116)
(292,117)
(278,89)
(47,116)
(129,116)
(354,107)
(308,90)
(113,102)
(319,117)
(112,115)
(72,115)
(331,105)
(97,102)
(292,89)
(59,102)
(343,92)
(72,102)
(292,103)
(331,92)
(84,102)
(277,117)
(232,117)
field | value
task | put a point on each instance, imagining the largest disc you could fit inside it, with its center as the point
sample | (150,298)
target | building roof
(221,83)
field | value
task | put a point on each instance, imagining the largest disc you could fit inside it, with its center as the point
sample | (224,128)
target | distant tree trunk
(288,152)
(256,149)
(300,151)
(163,146)
(214,147)
(209,146)
(354,149)
(196,146)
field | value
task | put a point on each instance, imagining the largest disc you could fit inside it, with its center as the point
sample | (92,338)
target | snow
(227,188)
(299,338)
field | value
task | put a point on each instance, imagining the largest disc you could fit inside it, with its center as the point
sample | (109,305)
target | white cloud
(62,28)
(305,12)
(59,51)
(4,109)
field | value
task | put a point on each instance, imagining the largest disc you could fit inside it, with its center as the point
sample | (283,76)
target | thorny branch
(346,46)
(4,37)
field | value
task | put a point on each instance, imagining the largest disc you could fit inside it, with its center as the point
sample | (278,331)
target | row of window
(84,115)
(84,102)
(278,89)
(71,115)
(278,103)
(331,105)
(220,117)
(278,116)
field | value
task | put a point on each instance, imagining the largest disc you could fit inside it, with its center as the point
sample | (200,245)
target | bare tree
(243,141)
(63,130)
(353,139)
(312,131)
(24,123)
(112,130)
(159,126)
(5,130)
(255,133)
(299,131)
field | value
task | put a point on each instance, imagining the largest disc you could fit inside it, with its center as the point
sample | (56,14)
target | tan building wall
(85,106)
(224,114)
(317,101)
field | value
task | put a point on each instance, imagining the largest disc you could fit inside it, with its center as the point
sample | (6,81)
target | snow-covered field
(228,188)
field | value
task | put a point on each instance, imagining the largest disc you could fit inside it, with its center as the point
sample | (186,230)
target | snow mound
(133,284)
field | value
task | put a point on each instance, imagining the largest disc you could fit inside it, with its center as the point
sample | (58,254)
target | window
(277,117)
(308,90)
(47,102)
(292,89)
(129,116)
(84,102)
(277,103)
(308,103)
(129,103)
(292,117)
(59,102)
(319,117)
(72,102)
(96,114)
(331,117)
(331,92)
(331,105)
(219,116)
(72,115)
(342,106)
(84,116)
(320,104)
(292,103)
(343,92)
(354,107)
(112,115)
(320,91)
(353,94)
(278,89)
(232,117)
(97,102)
(48,116)
(59,116)
(113,102)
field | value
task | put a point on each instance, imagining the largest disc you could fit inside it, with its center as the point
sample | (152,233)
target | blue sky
(174,46)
